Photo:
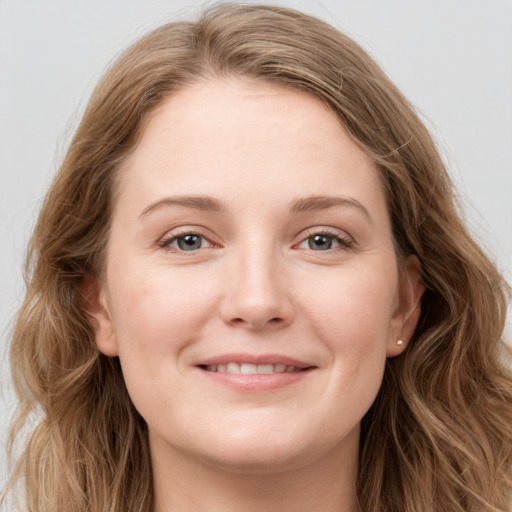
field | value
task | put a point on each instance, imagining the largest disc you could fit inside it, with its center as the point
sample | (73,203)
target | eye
(185,242)
(188,242)
(325,241)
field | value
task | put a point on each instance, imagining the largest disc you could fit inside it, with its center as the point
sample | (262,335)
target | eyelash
(344,241)
(166,242)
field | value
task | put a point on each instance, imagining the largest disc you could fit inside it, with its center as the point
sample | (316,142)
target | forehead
(232,136)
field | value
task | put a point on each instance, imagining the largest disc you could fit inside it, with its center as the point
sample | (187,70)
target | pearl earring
(399,342)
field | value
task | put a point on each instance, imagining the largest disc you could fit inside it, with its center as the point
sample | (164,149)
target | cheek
(156,315)
(352,318)
(156,311)
(354,308)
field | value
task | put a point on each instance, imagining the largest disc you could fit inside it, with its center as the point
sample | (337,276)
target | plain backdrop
(452,58)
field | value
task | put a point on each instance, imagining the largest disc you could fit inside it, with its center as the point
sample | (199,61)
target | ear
(407,313)
(95,304)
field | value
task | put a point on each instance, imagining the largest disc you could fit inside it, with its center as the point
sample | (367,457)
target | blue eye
(187,242)
(320,242)
(324,242)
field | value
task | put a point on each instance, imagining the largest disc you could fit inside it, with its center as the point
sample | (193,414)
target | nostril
(255,323)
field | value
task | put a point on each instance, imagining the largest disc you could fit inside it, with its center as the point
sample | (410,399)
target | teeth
(233,368)
(248,368)
(265,368)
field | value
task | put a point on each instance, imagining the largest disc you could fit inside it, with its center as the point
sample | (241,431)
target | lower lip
(257,381)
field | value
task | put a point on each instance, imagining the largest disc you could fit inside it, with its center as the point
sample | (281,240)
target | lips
(251,369)
(255,372)
(251,363)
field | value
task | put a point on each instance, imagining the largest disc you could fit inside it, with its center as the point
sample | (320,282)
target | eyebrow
(210,204)
(204,203)
(314,203)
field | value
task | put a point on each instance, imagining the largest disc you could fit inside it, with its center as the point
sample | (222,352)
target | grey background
(452,58)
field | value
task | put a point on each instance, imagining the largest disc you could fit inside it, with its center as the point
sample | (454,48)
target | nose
(257,296)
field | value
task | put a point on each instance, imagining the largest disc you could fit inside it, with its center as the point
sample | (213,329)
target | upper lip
(253,359)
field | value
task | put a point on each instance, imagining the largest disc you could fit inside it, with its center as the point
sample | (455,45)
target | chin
(267,451)
(260,458)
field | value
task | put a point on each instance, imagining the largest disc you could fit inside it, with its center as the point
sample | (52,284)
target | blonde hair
(438,436)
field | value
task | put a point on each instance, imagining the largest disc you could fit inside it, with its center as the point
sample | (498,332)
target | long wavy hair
(438,436)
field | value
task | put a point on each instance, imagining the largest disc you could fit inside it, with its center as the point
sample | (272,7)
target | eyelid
(170,236)
(345,240)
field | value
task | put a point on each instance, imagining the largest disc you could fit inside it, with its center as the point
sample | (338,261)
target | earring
(399,342)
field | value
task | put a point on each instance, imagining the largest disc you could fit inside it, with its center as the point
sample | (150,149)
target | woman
(250,289)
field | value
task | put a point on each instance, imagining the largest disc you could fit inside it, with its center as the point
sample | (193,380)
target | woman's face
(251,290)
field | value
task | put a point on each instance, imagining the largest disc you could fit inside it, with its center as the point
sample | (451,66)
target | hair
(438,436)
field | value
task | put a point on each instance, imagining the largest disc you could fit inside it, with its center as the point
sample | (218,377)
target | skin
(256,283)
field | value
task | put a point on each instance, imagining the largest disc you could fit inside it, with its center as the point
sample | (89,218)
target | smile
(248,368)
(255,373)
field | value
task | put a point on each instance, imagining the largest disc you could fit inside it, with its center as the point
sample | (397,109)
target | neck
(183,483)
